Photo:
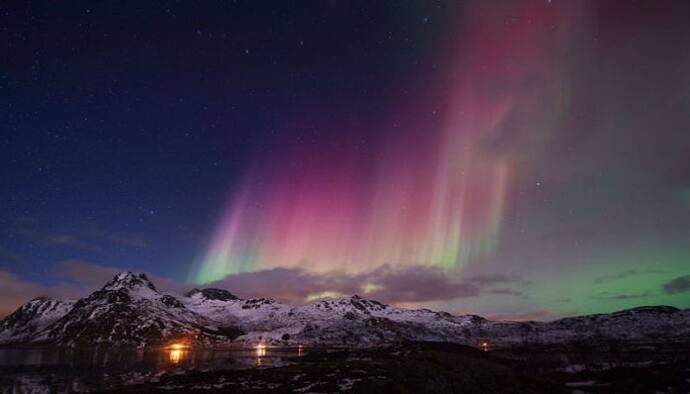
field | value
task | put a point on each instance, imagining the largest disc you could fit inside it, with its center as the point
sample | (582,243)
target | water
(81,370)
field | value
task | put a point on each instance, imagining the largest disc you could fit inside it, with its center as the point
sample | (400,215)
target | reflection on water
(75,370)
(260,350)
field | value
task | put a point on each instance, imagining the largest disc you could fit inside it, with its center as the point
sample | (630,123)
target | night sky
(516,159)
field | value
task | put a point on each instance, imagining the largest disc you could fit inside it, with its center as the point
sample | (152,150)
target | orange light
(176,352)
(484,345)
(175,356)
(260,350)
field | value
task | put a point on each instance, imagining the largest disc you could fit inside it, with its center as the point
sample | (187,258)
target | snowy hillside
(224,307)
(355,321)
(643,324)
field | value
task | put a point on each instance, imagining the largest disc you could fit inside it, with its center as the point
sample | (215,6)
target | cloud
(285,284)
(620,275)
(680,284)
(15,291)
(607,295)
(81,236)
(626,274)
(68,240)
(511,292)
(57,239)
(93,232)
(501,284)
(385,284)
(6,255)
(417,284)
(497,279)
(127,241)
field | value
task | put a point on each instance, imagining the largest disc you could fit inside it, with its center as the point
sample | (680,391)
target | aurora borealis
(435,193)
(518,159)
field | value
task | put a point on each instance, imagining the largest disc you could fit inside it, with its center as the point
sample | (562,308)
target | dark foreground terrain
(448,368)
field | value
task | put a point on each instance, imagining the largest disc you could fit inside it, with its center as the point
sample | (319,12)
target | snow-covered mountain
(648,324)
(32,317)
(357,321)
(130,311)
(350,321)
(127,311)
(224,307)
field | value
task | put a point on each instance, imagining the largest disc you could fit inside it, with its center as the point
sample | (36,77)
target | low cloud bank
(680,284)
(386,284)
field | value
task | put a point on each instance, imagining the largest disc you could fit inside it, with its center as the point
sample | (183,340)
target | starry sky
(516,159)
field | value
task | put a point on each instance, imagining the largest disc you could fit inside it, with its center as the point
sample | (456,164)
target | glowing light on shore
(176,352)
(260,350)
(484,346)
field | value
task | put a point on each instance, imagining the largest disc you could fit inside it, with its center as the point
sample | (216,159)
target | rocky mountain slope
(130,311)
(33,317)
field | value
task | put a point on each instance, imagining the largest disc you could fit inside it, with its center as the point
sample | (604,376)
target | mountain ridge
(130,311)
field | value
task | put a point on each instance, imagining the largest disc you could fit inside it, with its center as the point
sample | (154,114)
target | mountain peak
(40,299)
(129,280)
(213,294)
(366,304)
